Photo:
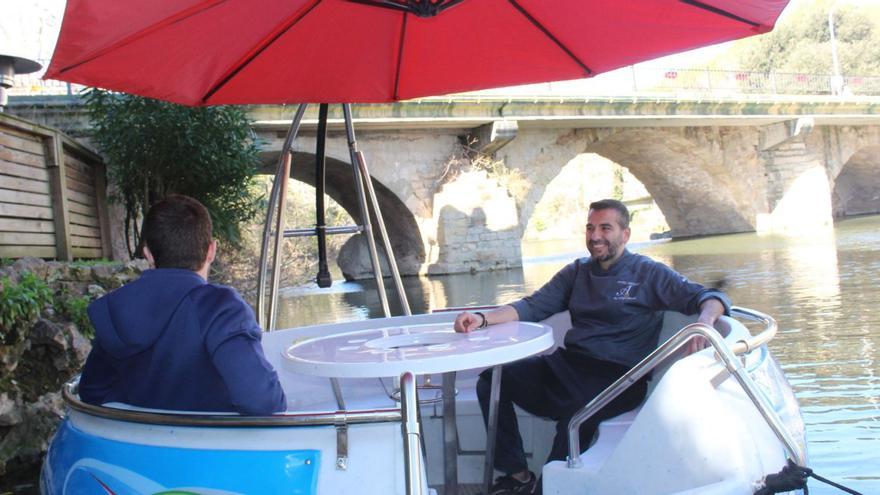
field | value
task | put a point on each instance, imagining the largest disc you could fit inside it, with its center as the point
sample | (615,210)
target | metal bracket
(342,447)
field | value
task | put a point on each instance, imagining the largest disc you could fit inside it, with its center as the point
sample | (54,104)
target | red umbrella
(205,52)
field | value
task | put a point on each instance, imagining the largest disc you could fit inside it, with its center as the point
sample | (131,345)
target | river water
(821,288)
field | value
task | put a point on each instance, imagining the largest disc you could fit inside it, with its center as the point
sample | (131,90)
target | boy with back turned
(170,340)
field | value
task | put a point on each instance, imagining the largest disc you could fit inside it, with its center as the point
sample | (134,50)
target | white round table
(410,350)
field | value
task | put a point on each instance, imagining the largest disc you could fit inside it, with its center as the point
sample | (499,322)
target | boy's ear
(212,251)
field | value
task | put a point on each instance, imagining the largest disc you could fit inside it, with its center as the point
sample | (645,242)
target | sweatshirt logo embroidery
(625,292)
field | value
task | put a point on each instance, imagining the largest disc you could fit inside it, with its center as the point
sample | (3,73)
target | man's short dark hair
(613,204)
(177,230)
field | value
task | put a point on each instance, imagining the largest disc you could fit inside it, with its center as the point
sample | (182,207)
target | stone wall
(477,226)
(51,351)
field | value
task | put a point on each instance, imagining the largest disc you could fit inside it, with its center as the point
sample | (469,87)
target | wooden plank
(79,165)
(81,231)
(79,176)
(20,126)
(90,211)
(26,211)
(20,225)
(55,164)
(103,214)
(75,185)
(26,239)
(83,199)
(76,218)
(77,241)
(22,158)
(22,251)
(22,142)
(82,252)
(24,198)
(25,185)
(9,168)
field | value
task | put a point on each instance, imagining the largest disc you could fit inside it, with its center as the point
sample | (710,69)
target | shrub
(20,305)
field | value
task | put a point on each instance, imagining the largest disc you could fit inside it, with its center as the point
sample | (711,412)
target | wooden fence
(52,195)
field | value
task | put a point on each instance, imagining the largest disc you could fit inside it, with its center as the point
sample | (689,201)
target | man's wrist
(485,322)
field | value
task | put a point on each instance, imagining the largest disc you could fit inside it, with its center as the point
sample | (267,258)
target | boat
(712,423)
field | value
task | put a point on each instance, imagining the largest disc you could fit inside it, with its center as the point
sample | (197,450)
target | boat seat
(610,432)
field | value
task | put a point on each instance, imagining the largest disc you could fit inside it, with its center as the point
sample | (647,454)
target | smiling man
(616,300)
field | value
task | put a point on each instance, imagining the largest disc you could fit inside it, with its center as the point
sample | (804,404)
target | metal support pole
(660,354)
(450,436)
(323,278)
(492,428)
(279,239)
(411,434)
(364,210)
(274,197)
(389,252)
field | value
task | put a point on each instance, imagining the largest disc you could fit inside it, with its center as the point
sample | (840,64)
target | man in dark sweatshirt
(616,300)
(170,340)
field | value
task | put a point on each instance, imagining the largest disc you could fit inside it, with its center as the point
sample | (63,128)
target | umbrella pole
(365,210)
(323,278)
(277,200)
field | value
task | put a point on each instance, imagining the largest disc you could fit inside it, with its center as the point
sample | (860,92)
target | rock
(81,273)
(26,441)
(45,332)
(11,354)
(354,259)
(95,291)
(52,336)
(106,275)
(79,345)
(137,266)
(33,265)
(10,410)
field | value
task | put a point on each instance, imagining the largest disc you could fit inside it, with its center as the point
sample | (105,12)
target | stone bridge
(712,166)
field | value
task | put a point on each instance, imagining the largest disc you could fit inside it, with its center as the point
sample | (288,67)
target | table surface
(419,349)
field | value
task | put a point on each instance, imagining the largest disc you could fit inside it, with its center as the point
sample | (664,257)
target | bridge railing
(629,81)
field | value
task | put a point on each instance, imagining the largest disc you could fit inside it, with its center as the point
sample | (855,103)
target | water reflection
(821,288)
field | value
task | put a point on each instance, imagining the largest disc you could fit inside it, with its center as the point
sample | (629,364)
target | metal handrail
(668,348)
(334,418)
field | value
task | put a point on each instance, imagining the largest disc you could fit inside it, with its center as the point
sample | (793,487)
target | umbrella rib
(263,45)
(547,33)
(180,16)
(400,56)
(721,12)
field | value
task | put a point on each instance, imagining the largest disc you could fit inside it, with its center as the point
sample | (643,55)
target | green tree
(156,148)
(801,41)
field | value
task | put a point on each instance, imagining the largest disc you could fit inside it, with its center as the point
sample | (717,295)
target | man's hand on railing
(710,311)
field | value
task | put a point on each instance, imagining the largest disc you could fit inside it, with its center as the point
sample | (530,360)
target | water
(821,289)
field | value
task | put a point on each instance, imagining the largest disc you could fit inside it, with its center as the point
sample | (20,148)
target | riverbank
(44,341)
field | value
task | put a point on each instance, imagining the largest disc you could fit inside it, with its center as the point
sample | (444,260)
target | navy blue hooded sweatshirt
(170,340)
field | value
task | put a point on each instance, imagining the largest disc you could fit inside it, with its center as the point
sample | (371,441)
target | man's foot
(509,485)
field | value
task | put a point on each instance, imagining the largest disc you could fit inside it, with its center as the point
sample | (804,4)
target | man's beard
(611,249)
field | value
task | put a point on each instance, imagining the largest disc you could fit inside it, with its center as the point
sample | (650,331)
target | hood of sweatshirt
(131,318)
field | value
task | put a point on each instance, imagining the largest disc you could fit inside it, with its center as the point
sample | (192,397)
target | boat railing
(322,418)
(728,356)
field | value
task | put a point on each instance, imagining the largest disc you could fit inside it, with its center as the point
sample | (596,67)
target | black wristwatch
(485,321)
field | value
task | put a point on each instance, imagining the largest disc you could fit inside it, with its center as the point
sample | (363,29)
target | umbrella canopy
(206,52)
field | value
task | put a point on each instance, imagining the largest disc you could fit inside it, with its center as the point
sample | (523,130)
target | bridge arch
(403,230)
(688,171)
(857,187)
(685,172)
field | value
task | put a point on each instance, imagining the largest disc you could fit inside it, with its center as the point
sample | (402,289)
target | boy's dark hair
(613,204)
(177,230)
